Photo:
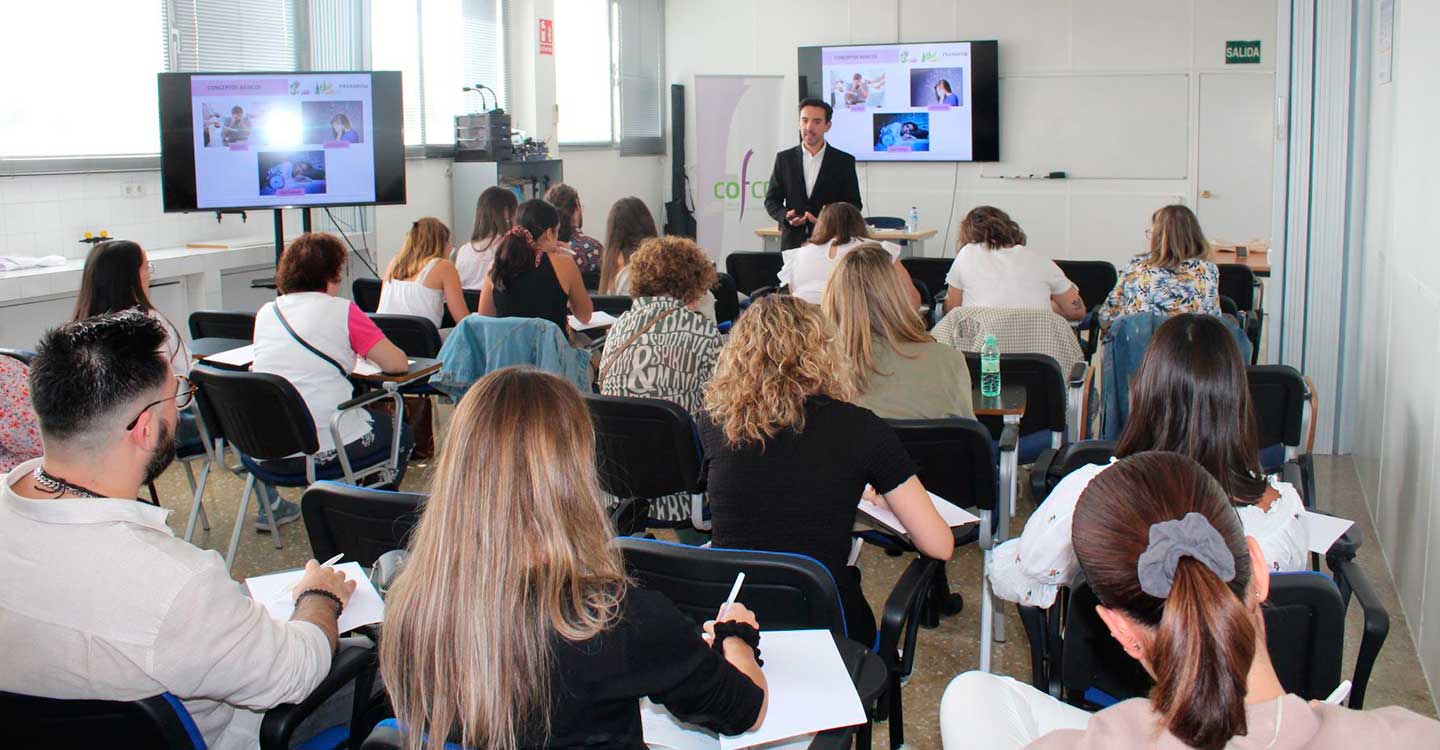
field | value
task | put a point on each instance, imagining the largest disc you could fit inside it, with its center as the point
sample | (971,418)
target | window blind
(642,29)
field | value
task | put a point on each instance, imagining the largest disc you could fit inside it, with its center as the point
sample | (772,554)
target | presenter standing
(809,176)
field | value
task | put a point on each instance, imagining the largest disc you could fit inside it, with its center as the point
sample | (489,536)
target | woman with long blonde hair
(513,624)
(898,370)
(421,280)
(788,458)
(839,229)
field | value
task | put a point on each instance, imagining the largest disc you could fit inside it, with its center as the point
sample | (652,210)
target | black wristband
(742,630)
(339,605)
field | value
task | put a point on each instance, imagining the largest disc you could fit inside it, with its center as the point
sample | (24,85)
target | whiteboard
(1095,126)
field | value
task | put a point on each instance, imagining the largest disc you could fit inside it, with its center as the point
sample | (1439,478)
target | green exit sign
(1242,53)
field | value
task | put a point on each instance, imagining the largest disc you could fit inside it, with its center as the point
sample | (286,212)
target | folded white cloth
(17,262)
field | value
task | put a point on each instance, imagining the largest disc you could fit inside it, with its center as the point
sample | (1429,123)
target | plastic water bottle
(913,223)
(990,368)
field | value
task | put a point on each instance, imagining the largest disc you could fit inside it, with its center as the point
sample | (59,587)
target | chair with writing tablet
(361,523)
(222,324)
(613,304)
(645,448)
(1052,400)
(1094,279)
(754,271)
(1237,281)
(365,293)
(788,591)
(264,418)
(1285,406)
(727,300)
(472,303)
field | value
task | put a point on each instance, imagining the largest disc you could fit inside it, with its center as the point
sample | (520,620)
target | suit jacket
(835,183)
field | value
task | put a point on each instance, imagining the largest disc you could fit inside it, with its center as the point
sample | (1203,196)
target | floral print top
(1191,287)
(587,251)
(19,428)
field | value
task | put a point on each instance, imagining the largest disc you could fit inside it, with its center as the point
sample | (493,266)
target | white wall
(1394,347)
(1096,218)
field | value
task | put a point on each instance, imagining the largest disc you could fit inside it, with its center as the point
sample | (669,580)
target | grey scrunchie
(1191,536)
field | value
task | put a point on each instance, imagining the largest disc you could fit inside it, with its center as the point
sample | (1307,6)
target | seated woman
(585,249)
(19,427)
(117,277)
(494,215)
(527,279)
(663,347)
(628,225)
(788,459)
(1181,588)
(420,280)
(897,369)
(838,229)
(993,268)
(1173,277)
(313,338)
(513,623)
(1189,396)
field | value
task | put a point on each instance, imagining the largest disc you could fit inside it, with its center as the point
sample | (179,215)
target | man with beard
(98,599)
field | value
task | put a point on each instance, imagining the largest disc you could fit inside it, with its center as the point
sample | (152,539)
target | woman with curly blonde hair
(788,458)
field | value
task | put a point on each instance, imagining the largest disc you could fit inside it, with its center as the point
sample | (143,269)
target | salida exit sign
(1242,53)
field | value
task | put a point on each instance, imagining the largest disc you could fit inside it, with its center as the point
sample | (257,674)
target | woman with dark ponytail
(1181,589)
(527,279)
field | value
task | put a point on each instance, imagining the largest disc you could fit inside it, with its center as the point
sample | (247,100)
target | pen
(734,591)
(1341,693)
(284,596)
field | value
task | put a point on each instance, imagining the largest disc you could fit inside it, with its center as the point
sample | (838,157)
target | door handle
(1204,193)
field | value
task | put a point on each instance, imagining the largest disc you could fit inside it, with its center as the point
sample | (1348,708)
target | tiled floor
(943,652)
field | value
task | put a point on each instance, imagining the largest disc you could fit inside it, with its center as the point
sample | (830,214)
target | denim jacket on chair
(480,345)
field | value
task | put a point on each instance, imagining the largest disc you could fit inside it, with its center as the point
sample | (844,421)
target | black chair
(1053,466)
(1052,400)
(1238,282)
(1285,404)
(161,721)
(885,222)
(263,416)
(365,293)
(416,336)
(932,271)
(472,303)
(21,355)
(753,271)
(591,280)
(614,304)
(727,299)
(361,522)
(1094,279)
(645,448)
(222,324)
(785,591)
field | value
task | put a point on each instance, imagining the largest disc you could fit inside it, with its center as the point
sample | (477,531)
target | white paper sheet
(238,357)
(365,368)
(1323,530)
(953,515)
(664,732)
(810,691)
(598,319)
(364,607)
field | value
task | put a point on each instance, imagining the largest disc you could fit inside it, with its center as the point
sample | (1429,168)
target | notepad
(953,515)
(364,608)
(239,357)
(598,319)
(1323,530)
(366,368)
(809,689)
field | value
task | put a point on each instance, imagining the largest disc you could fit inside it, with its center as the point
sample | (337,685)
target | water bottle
(913,223)
(990,367)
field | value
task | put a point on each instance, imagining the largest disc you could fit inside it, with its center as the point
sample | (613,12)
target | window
(96,100)
(440,46)
(222,35)
(608,62)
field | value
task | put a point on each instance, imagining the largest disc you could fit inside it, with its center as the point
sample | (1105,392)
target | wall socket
(134,189)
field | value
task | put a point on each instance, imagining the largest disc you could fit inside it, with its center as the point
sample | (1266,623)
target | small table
(1009,405)
(420,367)
(915,247)
(1257,260)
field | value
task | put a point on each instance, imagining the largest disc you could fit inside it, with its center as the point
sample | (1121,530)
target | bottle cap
(989,338)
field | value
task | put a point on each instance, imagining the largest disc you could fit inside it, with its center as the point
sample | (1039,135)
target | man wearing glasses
(98,599)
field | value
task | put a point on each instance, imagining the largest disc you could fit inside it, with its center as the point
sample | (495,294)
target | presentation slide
(906,102)
(283,140)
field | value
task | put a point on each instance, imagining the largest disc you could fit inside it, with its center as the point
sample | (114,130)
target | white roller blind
(583,79)
(642,52)
(238,35)
(483,50)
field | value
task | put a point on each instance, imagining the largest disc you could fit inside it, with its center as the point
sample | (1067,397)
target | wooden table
(1257,260)
(204,347)
(915,247)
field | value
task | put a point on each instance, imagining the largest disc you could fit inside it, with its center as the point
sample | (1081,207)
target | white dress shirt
(806,269)
(810,163)
(99,600)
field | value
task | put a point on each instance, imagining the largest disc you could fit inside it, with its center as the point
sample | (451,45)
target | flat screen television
(933,101)
(280,140)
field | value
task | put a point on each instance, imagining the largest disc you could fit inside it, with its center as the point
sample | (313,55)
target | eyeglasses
(183,396)
(150,267)
(1147,234)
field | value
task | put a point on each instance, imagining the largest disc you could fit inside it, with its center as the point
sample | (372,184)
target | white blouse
(1006,277)
(1030,569)
(807,268)
(473,261)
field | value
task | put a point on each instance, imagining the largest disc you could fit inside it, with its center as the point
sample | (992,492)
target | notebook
(598,319)
(364,608)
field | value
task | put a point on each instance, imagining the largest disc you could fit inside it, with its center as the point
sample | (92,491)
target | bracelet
(339,605)
(742,630)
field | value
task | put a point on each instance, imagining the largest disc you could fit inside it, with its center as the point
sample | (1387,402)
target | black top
(798,492)
(836,183)
(653,651)
(534,293)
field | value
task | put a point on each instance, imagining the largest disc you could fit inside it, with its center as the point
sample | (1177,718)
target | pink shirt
(364,334)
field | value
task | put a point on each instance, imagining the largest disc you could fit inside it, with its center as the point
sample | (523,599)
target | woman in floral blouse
(19,429)
(584,248)
(1173,278)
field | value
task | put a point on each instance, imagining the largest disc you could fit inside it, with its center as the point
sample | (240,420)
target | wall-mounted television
(280,140)
(933,101)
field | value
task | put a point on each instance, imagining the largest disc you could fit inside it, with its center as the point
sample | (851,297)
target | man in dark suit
(809,176)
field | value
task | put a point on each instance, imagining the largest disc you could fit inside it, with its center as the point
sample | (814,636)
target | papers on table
(810,691)
(366,368)
(238,358)
(1323,530)
(364,607)
(953,515)
(598,319)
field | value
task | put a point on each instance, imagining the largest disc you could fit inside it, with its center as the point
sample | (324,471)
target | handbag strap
(344,373)
(605,365)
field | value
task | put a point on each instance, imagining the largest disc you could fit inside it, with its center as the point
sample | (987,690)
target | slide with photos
(901,102)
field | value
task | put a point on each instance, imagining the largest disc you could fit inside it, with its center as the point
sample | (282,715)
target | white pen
(332,560)
(734,592)
(284,596)
(1341,693)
